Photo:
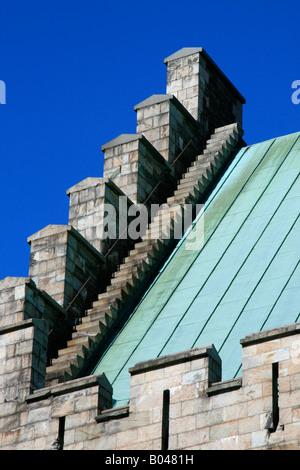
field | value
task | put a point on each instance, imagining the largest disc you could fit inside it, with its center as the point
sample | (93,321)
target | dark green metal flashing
(245,278)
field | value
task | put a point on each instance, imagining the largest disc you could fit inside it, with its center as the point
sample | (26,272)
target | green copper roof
(246,277)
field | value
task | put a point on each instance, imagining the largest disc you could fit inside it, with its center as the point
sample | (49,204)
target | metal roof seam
(282,290)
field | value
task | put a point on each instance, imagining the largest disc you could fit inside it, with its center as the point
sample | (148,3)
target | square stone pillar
(21,300)
(165,122)
(98,210)
(136,167)
(203,89)
(66,267)
(23,352)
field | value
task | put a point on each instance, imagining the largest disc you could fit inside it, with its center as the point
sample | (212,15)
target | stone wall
(177,402)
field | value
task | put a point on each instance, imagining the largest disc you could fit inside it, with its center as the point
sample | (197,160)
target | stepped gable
(170,160)
(175,158)
(129,281)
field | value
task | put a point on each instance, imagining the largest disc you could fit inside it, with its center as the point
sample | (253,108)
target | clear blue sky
(75,70)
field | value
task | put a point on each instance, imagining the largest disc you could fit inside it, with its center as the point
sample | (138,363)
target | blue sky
(75,70)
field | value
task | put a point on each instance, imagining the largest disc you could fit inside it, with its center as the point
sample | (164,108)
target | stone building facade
(82,287)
